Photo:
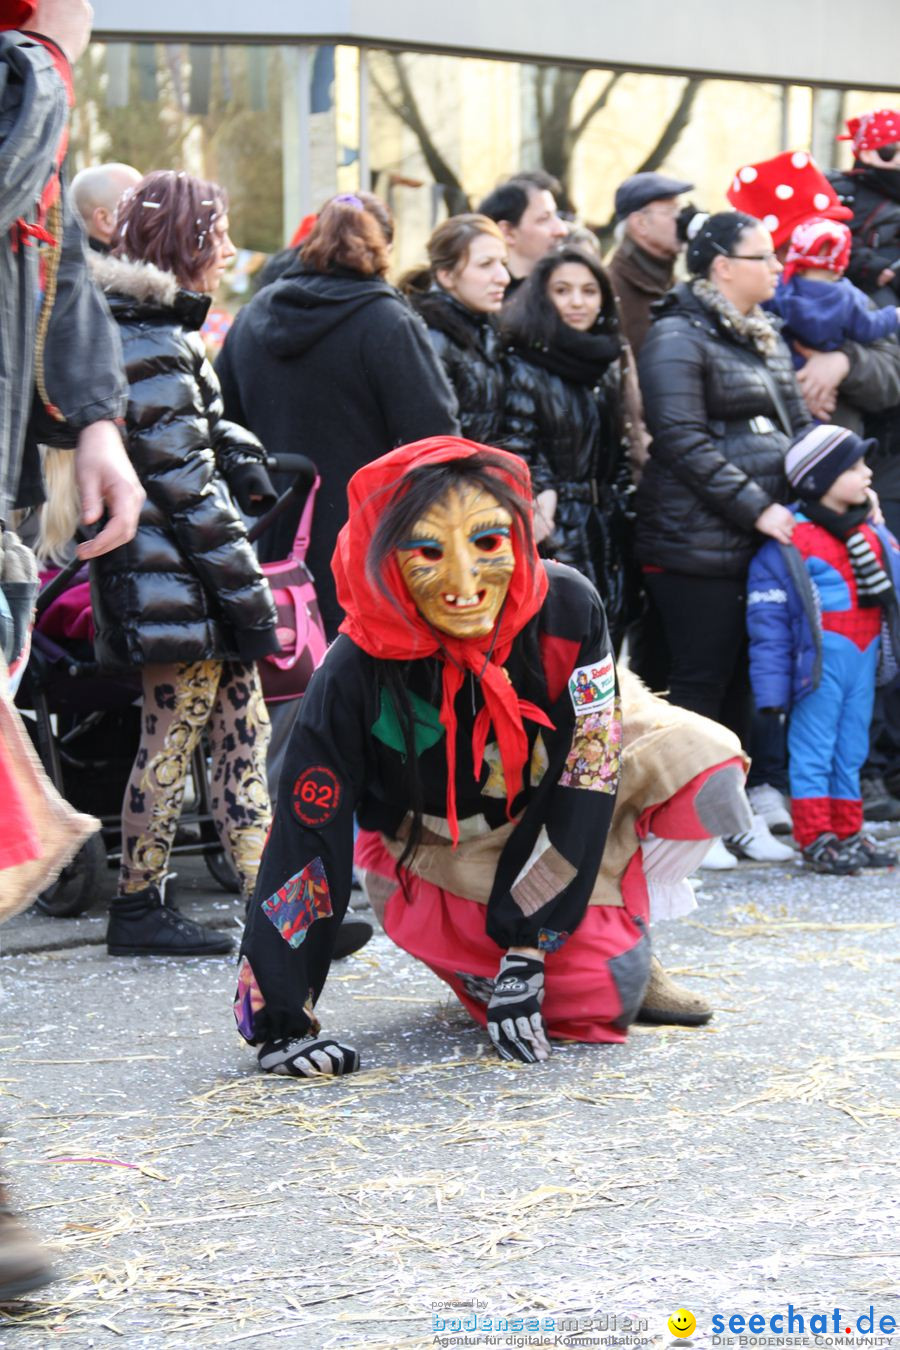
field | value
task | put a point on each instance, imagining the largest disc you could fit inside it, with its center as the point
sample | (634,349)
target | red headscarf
(16,14)
(398,632)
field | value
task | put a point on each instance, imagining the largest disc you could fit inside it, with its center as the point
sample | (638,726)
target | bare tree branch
(407,109)
(598,105)
(673,129)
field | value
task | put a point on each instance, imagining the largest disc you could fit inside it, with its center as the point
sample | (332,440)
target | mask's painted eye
(429,550)
(490,541)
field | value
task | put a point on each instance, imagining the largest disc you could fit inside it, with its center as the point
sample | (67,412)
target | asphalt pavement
(438,1196)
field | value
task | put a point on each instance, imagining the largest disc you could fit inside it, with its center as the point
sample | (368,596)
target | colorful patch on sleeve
(248,1001)
(299,902)
(593,687)
(545,875)
(548,941)
(316,796)
(595,755)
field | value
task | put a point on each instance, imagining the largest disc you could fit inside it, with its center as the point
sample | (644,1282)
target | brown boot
(24,1264)
(669,1004)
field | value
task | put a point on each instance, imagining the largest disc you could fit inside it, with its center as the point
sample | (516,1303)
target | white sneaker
(766,801)
(718,859)
(758,844)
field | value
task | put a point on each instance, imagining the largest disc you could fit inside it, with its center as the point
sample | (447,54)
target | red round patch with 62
(316,796)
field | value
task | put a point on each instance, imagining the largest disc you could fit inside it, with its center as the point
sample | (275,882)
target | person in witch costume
(445,716)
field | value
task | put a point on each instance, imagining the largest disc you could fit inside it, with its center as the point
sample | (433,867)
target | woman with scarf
(722,405)
(468,714)
(459,294)
(564,417)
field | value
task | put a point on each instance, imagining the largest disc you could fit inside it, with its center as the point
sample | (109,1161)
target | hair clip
(348,199)
(153,206)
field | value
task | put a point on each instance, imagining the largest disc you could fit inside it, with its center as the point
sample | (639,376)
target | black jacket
(717,456)
(82,358)
(571,436)
(339,368)
(469,348)
(188,587)
(873,195)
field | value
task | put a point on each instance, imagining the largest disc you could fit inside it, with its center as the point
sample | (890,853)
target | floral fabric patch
(248,1000)
(299,902)
(548,941)
(595,756)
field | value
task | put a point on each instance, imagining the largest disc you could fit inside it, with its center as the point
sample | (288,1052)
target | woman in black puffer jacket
(722,404)
(564,416)
(458,295)
(185,602)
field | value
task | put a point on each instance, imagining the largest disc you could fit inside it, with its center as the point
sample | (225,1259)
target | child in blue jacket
(819,306)
(816,612)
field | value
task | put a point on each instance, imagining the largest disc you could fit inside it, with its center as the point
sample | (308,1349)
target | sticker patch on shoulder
(592,687)
(316,796)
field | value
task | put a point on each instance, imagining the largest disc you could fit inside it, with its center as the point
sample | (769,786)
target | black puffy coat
(717,455)
(571,436)
(188,586)
(471,352)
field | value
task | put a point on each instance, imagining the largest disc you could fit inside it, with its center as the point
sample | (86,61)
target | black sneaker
(351,936)
(878,803)
(141,925)
(826,855)
(864,851)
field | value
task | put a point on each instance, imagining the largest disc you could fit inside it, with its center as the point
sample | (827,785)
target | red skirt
(593,984)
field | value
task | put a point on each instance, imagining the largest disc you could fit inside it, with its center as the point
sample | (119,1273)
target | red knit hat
(783,192)
(16,13)
(819,243)
(873,129)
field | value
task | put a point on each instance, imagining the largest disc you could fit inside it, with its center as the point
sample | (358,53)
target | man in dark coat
(643,266)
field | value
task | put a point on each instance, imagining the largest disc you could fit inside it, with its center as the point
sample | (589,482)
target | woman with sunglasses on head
(564,416)
(459,294)
(722,405)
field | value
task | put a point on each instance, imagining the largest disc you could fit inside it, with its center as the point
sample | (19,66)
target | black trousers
(704,620)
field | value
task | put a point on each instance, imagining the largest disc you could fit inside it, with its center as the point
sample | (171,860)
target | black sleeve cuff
(251,480)
(253,644)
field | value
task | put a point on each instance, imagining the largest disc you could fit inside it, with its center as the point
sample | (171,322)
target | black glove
(308,1058)
(514,1018)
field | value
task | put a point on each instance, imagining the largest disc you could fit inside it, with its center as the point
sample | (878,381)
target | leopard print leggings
(180,701)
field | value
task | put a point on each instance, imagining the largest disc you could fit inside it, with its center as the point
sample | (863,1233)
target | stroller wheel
(221,870)
(78,885)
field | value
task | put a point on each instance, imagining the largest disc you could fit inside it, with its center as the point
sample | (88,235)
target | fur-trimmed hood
(141,290)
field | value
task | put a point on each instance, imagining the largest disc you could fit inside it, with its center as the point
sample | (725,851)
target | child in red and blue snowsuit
(816,612)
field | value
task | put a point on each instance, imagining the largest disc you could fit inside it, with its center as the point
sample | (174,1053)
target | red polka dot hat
(783,192)
(873,130)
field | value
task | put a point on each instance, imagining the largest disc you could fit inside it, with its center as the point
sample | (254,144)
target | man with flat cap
(643,266)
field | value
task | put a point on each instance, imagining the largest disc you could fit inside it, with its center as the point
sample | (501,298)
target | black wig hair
(532,319)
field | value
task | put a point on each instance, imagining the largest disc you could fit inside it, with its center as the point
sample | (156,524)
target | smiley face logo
(682,1323)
